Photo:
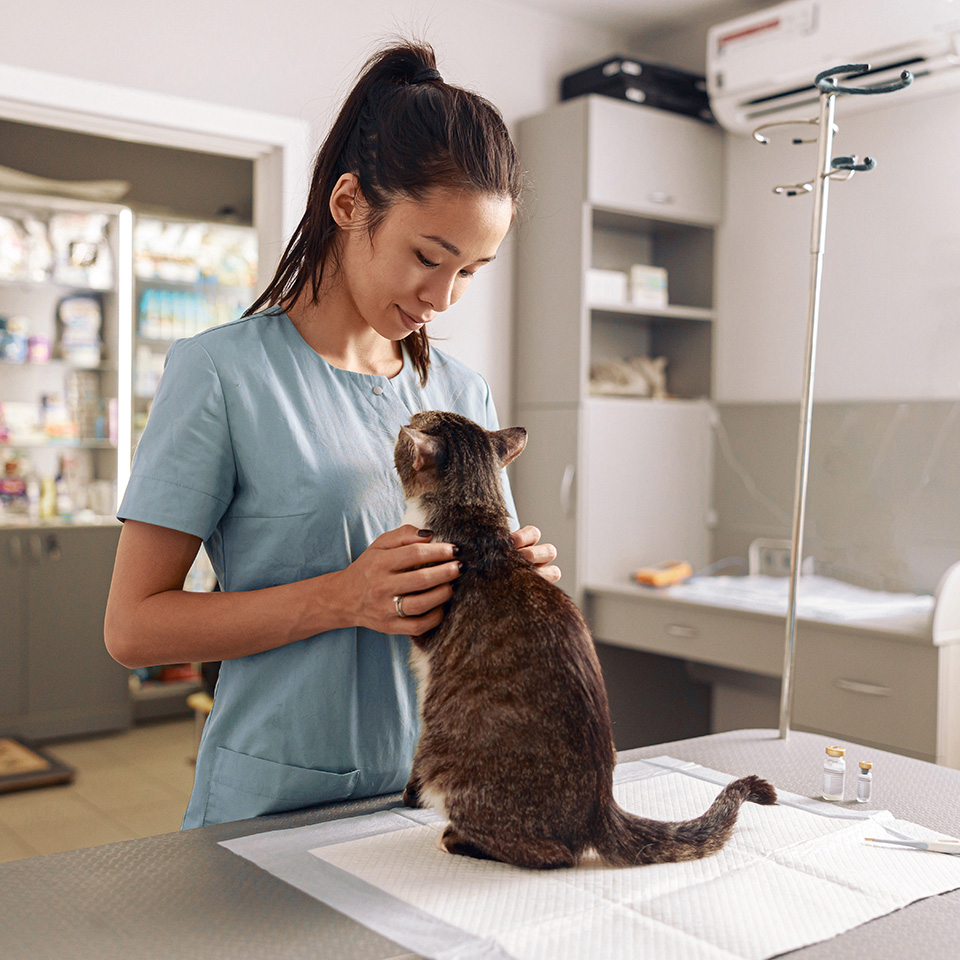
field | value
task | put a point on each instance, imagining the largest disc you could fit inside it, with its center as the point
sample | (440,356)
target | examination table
(182,895)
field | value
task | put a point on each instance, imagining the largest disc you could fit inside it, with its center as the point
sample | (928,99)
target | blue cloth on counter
(283,465)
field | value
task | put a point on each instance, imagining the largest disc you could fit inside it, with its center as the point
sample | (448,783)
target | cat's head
(441,450)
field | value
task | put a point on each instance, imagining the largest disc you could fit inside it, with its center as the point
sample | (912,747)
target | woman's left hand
(541,555)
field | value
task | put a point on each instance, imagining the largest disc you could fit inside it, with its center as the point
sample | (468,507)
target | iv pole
(838,168)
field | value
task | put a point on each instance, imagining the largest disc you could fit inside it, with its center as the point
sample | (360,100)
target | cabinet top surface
(613,106)
(908,627)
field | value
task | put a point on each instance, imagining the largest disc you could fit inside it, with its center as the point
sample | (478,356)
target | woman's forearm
(177,626)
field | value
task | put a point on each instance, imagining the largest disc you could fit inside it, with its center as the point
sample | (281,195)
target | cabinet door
(12,630)
(74,685)
(652,161)
(646,490)
(544,482)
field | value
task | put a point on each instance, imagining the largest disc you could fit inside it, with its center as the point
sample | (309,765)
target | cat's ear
(426,448)
(509,443)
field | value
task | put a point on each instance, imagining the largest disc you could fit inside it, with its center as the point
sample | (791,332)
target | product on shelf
(172,314)
(190,253)
(14,336)
(25,251)
(79,321)
(81,251)
(85,404)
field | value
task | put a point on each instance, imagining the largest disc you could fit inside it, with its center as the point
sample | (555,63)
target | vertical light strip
(124,350)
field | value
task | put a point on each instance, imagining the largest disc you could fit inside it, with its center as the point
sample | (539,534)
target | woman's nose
(440,293)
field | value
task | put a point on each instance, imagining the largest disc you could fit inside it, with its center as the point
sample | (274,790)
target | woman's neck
(336,330)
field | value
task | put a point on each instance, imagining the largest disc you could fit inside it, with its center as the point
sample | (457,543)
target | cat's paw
(411,795)
(451,842)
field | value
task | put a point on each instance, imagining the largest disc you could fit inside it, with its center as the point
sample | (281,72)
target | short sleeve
(493,423)
(184,473)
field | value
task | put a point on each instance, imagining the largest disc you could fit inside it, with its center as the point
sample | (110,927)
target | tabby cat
(516,749)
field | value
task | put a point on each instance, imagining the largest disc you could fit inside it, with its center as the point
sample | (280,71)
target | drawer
(691,632)
(868,690)
(652,161)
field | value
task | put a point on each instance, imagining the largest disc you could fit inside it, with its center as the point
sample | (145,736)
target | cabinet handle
(566,490)
(679,630)
(16,550)
(660,196)
(855,686)
(53,548)
(36,548)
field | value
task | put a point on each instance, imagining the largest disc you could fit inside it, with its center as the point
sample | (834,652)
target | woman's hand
(541,555)
(400,563)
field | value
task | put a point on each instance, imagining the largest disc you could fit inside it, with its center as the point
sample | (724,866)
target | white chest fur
(414,514)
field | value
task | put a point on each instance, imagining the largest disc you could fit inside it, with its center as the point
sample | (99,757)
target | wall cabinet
(663,164)
(616,482)
(56,677)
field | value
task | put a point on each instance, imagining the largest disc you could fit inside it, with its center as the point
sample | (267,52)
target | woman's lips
(410,322)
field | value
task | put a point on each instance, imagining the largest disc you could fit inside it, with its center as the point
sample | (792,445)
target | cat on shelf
(516,749)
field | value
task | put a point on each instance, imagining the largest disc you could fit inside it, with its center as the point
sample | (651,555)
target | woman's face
(421,256)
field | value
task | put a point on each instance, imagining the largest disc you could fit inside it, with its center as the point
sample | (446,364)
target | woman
(271,441)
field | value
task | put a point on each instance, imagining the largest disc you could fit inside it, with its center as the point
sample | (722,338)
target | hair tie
(425,75)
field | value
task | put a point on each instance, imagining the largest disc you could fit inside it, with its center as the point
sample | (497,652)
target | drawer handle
(660,196)
(679,630)
(854,686)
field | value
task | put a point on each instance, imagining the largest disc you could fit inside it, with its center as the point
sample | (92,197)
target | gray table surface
(182,895)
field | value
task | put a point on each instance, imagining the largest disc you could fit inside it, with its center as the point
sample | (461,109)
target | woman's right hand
(401,563)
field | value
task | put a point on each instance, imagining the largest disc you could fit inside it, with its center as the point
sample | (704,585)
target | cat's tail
(627,840)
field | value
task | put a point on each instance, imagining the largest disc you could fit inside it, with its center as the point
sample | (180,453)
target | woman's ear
(346,201)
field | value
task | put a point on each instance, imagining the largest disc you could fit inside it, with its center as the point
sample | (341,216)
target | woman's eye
(466,274)
(425,261)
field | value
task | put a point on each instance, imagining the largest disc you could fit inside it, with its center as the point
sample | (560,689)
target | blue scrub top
(283,465)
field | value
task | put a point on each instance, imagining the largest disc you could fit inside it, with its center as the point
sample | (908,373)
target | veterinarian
(271,442)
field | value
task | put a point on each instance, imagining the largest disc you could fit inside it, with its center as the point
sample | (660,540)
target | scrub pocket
(242,786)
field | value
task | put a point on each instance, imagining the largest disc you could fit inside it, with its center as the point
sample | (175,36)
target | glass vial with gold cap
(864,781)
(834,772)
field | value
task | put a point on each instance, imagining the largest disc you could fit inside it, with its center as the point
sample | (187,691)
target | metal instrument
(837,168)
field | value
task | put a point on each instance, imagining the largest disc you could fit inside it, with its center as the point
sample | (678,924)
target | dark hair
(402,131)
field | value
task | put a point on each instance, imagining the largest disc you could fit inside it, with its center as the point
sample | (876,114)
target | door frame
(279,146)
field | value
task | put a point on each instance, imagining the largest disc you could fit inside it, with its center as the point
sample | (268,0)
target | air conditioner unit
(760,68)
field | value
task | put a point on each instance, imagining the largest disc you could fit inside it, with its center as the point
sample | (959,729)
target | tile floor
(127,785)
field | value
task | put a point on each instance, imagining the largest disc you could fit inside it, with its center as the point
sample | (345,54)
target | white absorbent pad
(791,875)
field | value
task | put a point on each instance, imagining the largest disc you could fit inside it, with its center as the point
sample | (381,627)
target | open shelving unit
(618,481)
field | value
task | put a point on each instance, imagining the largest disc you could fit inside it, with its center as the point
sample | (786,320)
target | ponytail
(402,131)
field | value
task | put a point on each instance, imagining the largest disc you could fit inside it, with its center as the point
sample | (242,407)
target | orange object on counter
(664,574)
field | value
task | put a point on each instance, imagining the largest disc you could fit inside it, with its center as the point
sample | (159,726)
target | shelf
(611,218)
(22,524)
(669,312)
(50,283)
(153,700)
(163,343)
(69,443)
(204,285)
(58,362)
(623,398)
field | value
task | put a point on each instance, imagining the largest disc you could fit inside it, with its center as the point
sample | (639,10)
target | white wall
(890,305)
(299,58)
